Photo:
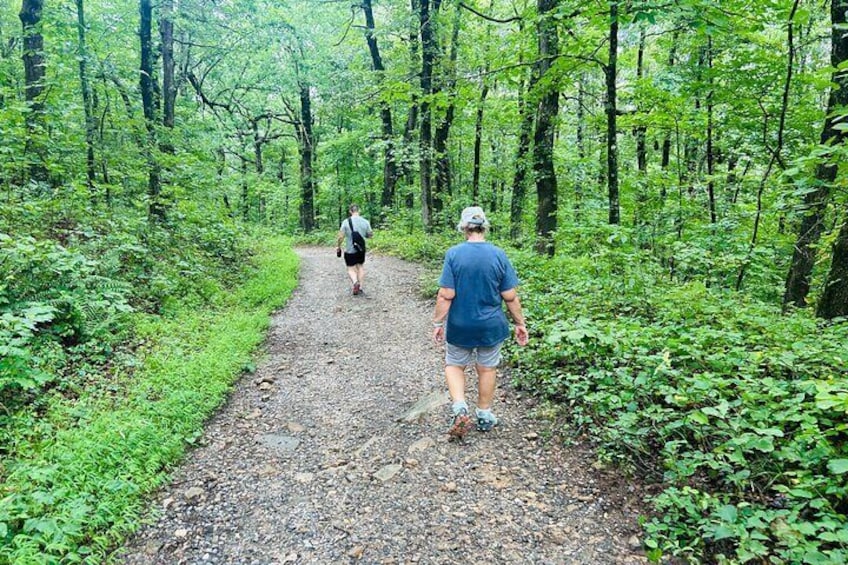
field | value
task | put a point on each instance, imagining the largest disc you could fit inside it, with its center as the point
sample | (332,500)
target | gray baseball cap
(472,216)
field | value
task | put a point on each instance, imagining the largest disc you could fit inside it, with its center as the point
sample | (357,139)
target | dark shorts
(352,259)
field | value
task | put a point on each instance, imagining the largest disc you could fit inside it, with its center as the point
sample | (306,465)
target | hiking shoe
(356,288)
(486,421)
(460,425)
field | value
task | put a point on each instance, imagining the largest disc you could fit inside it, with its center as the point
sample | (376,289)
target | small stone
(295,428)
(265,386)
(167,503)
(634,543)
(557,533)
(422,444)
(193,493)
(411,463)
(356,552)
(290,558)
(449,487)
(256,413)
(153,547)
(532,436)
(388,472)
(304,478)
(267,471)
(181,533)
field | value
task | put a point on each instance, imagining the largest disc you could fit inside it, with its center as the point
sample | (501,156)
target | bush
(738,410)
(76,475)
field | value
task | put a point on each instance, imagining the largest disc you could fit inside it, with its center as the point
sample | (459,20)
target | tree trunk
(306,145)
(444,181)
(390,173)
(834,299)
(641,130)
(543,148)
(412,113)
(33,60)
(478,143)
(258,141)
(710,152)
(169,90)
(815,202)
(155,208)
(612,113)
(665,159)
(87,105)
(581,145)
(428,53)
(519,179)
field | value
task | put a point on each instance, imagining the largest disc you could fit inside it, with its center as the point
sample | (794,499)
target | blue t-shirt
(478,272)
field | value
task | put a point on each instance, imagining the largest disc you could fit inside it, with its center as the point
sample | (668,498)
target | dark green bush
(737,410)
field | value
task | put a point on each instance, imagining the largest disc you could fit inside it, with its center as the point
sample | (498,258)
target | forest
(668,177)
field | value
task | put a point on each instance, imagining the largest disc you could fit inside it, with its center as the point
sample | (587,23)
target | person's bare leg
(360,274)
(486,377)
(351,272)
(455,377)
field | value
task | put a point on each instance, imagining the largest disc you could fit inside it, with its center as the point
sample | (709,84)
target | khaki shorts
(489,357)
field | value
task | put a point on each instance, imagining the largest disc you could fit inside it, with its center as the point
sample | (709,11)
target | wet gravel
(322,457)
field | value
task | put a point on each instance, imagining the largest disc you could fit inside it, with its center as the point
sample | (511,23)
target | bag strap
(350,221)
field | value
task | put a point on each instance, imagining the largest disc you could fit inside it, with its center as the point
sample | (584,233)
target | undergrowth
(738,412)
(77,466)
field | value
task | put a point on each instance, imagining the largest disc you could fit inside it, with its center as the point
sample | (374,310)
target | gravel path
(321,456)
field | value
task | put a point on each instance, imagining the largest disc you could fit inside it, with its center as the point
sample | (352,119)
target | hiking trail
(335,451)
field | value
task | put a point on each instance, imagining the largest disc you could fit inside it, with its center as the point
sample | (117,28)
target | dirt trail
(308,463)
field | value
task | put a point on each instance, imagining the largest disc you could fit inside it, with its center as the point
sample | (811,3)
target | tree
(428,56)
(156,210)
(834,299)
(611,75)
(815,201)
(87,104)
(543,139)
(33,59)
(390,172)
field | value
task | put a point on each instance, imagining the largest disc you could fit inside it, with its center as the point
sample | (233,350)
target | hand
(521,335)
(439,335)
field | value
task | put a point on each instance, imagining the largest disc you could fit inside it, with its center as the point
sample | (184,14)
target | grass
(73,496)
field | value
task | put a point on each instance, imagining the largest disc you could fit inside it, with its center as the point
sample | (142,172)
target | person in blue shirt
(477,279)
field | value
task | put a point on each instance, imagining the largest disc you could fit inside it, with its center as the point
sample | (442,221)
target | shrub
(737,410)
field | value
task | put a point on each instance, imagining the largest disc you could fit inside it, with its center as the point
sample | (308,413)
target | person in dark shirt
(477,279)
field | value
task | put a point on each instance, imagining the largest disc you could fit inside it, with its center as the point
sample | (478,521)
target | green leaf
(723,532)
(728,513)
(838,466)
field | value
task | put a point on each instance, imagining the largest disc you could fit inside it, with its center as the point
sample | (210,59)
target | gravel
(335,451)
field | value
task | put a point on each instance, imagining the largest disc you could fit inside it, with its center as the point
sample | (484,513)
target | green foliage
(75,479)
(51,301)
(738,410)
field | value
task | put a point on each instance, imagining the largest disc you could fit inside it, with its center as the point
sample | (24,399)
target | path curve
(308,463)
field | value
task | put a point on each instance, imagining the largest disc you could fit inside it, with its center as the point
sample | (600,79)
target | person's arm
(443,304)
(340,238)
(513,304)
